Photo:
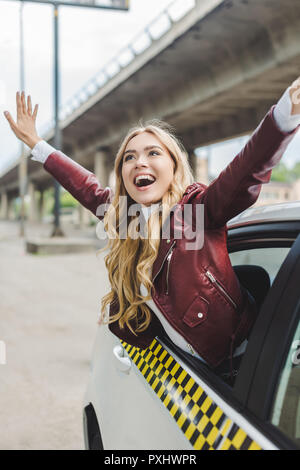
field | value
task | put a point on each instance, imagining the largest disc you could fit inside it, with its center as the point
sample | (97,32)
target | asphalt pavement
(49,306)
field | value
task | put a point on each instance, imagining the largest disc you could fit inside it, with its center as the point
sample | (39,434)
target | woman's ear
(174,166)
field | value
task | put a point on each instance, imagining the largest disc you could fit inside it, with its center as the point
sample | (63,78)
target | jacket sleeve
(239,184)
(81,183)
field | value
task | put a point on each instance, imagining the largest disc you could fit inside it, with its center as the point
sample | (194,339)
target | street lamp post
(23,161)
(115,5)
(57,231)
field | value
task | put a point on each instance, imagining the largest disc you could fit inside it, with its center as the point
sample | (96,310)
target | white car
(163,398)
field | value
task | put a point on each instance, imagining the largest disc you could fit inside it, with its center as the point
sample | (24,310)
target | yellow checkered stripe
(203,423)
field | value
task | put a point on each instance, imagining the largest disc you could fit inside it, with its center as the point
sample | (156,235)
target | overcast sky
(88,40)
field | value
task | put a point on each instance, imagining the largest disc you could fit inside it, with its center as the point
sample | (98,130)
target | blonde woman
(158,282)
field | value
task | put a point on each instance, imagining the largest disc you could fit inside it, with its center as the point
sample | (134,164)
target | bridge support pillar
(101,171)
(10,208)
(202,170)
(41,206)
(102,166)
(199,166)
(4,205)
(84,216)
(33,205)
(193,163)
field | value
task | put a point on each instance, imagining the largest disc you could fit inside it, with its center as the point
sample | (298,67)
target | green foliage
(296,170)
(285,175)
(49,201)
(67,200)
(281,173)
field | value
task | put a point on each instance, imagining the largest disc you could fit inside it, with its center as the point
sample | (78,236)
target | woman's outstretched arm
(239,184)
(81,183)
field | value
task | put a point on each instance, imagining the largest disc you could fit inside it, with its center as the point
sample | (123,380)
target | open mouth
(144,180)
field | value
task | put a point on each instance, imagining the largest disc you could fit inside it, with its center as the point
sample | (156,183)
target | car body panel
(161,398)
(114,395)
(284,211)
(206,420)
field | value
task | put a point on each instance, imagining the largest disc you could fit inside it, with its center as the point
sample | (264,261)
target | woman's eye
(127,157)
(154,152)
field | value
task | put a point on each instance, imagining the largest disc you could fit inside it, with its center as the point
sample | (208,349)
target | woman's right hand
(24,128)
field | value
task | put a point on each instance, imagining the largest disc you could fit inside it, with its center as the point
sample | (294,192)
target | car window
(268,258)
(286,408)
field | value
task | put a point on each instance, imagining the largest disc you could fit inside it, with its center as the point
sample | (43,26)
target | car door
(222,417)
(285,409)
(122,391)
(274,396)
(210,414)
(163,398)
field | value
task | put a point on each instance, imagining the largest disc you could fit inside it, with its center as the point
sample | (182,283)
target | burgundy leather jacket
(196,290)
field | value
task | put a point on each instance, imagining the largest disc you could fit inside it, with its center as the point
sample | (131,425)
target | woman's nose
(141,161)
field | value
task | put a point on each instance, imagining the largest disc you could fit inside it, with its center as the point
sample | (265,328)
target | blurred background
(210,68)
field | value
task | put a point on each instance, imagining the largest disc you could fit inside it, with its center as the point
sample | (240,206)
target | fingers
(296,83)
(35,111)
(23,103)
(295,96)
(10,120)
(22,107)
(19,105)
(29,105)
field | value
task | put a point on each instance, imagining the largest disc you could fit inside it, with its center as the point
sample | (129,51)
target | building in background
(274,192)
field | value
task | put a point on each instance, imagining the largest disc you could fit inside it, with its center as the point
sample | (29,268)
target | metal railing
(153,32)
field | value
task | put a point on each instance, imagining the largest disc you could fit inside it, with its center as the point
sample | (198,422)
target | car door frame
(285,307)
(262,235)
(246,393)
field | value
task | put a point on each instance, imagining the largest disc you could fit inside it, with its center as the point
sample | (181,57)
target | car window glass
(271,259)
(268,258)
(286,408)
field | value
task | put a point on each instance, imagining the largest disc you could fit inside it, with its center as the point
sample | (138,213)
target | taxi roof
(286,211)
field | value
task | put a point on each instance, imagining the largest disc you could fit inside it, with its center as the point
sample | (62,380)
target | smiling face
(147,158)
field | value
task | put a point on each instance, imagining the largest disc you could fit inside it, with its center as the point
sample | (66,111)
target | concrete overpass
(212,75)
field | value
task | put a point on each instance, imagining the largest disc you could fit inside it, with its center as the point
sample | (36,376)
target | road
(49,308)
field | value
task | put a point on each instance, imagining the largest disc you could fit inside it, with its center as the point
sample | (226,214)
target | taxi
(164,398)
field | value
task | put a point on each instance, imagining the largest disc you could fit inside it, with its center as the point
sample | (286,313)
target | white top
(282,113)
(285,121)
(41,151)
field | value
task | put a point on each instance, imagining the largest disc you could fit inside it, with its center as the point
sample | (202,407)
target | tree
(67,200)
(296,170)
(281,173)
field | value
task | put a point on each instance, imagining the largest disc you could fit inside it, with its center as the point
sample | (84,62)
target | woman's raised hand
(24,128)
(295,96)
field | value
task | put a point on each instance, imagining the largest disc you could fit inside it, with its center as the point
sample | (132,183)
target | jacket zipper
(168,268)
(212,278)
(168,257)
(160,268)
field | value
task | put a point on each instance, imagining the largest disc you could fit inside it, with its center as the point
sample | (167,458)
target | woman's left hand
(295,96)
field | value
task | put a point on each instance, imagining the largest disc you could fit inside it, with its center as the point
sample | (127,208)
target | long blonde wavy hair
(129,261)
